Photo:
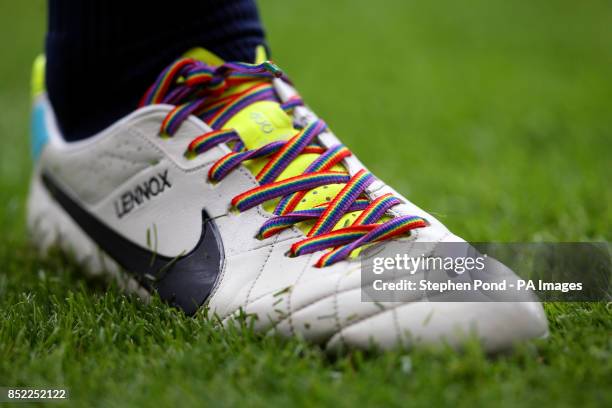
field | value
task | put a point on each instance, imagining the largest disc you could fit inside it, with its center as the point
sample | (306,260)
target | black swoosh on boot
(184,281)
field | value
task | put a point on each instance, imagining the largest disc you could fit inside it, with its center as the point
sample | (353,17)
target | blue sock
(103,54)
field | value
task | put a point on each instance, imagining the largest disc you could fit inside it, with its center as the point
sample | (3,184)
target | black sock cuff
(103,54)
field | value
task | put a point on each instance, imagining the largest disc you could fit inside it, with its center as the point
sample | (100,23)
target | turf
(494,115)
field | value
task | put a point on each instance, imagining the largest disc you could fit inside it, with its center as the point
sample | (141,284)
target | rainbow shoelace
(196,88)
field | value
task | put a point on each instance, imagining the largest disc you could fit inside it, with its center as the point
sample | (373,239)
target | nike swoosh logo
(185,281)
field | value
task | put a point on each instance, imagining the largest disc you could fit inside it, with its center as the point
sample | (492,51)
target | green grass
(494,115)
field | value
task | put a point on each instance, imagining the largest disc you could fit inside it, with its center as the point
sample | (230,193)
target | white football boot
(156,200)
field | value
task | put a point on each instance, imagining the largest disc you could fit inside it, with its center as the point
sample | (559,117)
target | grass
(494,115)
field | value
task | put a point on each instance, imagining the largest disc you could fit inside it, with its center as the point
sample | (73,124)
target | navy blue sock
(102,55)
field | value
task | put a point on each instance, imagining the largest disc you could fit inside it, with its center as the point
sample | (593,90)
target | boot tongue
(259,123)
(264,122)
